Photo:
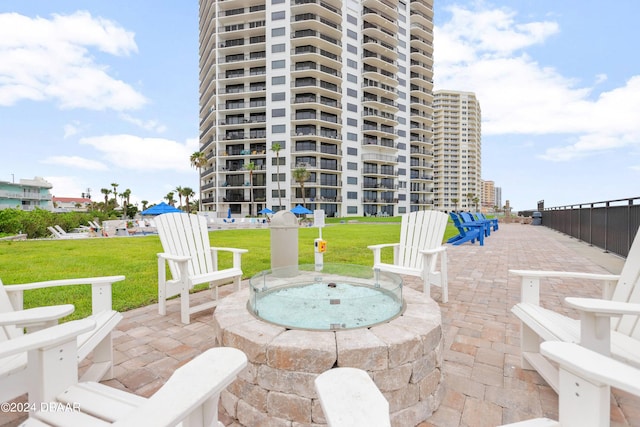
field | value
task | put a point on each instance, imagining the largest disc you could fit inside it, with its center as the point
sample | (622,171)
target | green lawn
(135,257)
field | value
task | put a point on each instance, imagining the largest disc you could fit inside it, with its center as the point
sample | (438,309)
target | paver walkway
(485,386)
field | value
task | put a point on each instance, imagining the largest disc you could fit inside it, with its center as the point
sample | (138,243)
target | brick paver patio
(484,384)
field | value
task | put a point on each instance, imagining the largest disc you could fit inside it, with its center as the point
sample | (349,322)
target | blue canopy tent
(300,210)
(159,209)
(265,211)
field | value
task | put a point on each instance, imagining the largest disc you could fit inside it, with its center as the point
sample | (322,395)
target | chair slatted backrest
(420,230)
(458,224)
(628,290)
(7,332)
(467,217)
(186,235)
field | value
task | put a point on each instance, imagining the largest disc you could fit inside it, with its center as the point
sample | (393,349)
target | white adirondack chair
(608,326)
(350,398)
(97,341)
(56,398)
(585,381)
(421,236)
(192,261)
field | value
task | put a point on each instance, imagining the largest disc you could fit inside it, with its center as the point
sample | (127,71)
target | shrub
(34,223)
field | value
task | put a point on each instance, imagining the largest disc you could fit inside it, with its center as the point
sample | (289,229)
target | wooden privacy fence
(610,225)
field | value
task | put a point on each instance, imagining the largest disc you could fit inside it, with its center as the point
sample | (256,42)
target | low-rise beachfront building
(26,194)
(77,204)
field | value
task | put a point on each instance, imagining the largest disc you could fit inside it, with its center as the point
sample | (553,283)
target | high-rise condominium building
(334,95)
(498,196)
(488,195)
(458,150)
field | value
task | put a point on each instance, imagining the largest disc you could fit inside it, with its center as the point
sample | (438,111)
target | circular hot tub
(402,352)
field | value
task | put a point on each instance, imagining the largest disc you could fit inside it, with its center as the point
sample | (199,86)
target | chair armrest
(377,255)
(237,256)
(349,397)
(100,290)
(190,387)
(592,366)
(530,286)
(433,251)
(47,337)
(383,245)
(176,258)
(595,320)
(36,318)
(565,274)
(234,250)
(603,307)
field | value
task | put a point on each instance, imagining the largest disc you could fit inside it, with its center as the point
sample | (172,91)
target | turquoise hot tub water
(340,296)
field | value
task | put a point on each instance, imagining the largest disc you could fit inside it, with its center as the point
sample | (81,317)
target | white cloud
(49,59)
(75,162)
(484,51)
(610,123)
(600,78)
(70,130)
(150,125)
(66,186)
(144,154)
(472,34)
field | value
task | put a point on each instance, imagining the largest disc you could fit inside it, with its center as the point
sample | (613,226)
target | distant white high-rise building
(457,138)
(341,89)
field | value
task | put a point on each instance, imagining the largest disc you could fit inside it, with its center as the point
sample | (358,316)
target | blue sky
(93,93)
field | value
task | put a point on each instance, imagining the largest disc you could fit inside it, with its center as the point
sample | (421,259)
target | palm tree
(476,202)
(144,204)
(178,191)
(125,196)
(115,192)
(276,147)
(455,201)
(106,193)
(300,175)
(250,167)
(470,197)
(170,199)
(198,160)
(187,193)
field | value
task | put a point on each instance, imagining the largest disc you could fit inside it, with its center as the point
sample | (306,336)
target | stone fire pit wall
(403,356)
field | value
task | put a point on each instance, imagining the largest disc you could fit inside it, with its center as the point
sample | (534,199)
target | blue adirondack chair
(466,233)
(467,218)
(494,221)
